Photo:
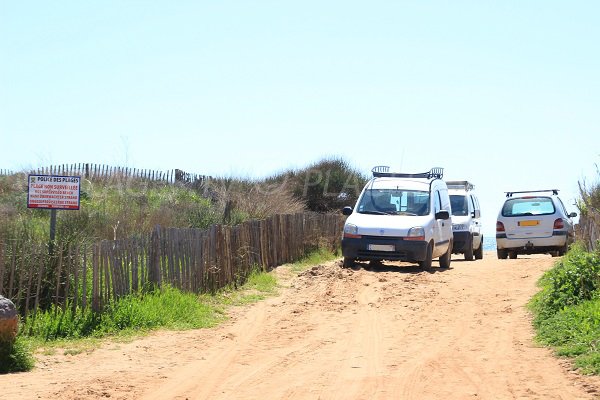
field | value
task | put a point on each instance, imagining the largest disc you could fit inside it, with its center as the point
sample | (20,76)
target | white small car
(466,220)
(533,222)
(402,217)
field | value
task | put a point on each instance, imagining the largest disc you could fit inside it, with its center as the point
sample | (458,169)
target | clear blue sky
(505,94)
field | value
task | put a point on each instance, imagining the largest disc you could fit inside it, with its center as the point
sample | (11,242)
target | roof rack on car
(554,192)
(384,171)
(460,185)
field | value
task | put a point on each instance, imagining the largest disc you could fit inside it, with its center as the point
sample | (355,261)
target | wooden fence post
(154,273)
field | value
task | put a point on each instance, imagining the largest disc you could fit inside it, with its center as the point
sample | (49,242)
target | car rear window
(525,206)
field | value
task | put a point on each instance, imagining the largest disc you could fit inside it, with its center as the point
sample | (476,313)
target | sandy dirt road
(381,332)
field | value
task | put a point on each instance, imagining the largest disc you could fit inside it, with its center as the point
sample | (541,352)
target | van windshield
(394,202)
(459,204)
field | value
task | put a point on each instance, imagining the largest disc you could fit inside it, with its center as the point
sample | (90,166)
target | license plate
(529,223)
(382,247)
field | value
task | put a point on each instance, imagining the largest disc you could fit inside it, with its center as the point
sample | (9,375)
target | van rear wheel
(502,254)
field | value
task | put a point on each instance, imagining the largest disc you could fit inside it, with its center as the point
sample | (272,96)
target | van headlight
(351,231)
(416,233)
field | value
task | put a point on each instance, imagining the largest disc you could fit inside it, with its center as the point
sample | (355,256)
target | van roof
(460,185)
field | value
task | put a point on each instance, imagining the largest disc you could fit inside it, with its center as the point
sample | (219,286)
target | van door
(442,229)
(476,222)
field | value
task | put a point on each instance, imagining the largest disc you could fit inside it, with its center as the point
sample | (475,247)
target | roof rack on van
(554,192)
(384,171)
(466,185)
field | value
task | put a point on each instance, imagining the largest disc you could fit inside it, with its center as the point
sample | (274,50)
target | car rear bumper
(532,245)
(403,250)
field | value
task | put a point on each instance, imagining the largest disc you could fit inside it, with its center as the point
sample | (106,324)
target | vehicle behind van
(534,222)
(466,220)
(400,216)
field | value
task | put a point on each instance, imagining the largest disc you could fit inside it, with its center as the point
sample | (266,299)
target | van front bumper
(460,241)
(384,248)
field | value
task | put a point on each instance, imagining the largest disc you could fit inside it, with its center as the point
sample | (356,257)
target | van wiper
(374,212)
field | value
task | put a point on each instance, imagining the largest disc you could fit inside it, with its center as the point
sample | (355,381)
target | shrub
(324,186)
(574,279)
(575,332)
(15,357)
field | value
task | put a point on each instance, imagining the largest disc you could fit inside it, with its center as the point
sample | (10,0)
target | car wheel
(446,258)
(479,252)
(502,254)
(469,249)
(563,250)
(512,255)
(426,263)
(348,262)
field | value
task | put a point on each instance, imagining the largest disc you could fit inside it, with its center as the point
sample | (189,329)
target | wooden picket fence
(193,260)
(107,172)
(589,229)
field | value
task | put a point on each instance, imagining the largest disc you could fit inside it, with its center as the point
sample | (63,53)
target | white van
(402,217)
(466,220)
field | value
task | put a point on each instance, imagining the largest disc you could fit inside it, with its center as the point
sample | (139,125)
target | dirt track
(391,332)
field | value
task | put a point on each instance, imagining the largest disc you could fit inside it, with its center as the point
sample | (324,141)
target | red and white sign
(54,192)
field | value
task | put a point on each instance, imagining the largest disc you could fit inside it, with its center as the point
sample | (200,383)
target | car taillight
(559,223)
(499,226)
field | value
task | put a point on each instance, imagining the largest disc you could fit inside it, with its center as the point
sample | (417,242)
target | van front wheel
(479,252)
(348,262)
(426,263)
(446,258)
(469,249)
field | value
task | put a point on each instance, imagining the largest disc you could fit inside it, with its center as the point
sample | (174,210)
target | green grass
(567,309)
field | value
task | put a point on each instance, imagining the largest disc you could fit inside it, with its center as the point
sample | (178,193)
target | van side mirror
(347,210)
(442,214)
(573,215)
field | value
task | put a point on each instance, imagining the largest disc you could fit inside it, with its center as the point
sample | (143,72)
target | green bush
(574,279)
(15,357)
(575,332)
(324,186)
(567,309)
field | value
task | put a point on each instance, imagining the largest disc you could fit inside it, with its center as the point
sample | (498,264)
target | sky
(504,94)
